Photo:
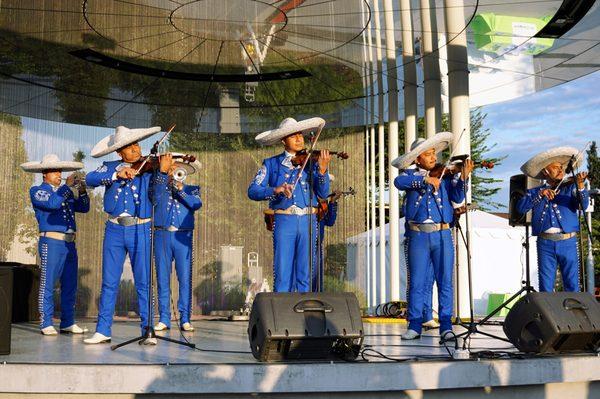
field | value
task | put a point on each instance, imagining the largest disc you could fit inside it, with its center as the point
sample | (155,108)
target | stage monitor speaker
(305,326)
(519,184)
(6,284)
(551,322)
(26,285)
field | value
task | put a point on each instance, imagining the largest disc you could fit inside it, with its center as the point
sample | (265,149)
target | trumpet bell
(179,174)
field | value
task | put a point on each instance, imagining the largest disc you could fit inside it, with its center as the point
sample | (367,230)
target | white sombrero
(190,167)
(51,161)
(289,126)
(123,136)
(440,142)
(535,166)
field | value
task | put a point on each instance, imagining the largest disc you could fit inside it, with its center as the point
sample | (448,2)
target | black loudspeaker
(26,286)
(550,322)
(6,284)
(519,184)
(305,326)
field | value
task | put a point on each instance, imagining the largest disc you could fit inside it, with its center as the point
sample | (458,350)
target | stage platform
(223,367)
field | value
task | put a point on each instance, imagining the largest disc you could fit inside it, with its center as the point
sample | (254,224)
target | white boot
(410,334)
(50,330)
(187,327)
(150,341)
(160,326)
(431,324)
(97,338)
(73,329)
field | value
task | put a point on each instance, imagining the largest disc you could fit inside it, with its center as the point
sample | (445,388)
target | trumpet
(78,181)
(179,175)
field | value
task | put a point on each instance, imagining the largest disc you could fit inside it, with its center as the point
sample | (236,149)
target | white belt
(128,220)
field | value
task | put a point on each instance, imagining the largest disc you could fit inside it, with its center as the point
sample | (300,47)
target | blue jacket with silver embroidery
(174,207)
(278,170)
(561,212)
(122,196)
(422,203)
(55,210)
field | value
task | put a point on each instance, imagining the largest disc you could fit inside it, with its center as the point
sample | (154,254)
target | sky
(565,115)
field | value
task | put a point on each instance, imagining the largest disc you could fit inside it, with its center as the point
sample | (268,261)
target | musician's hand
(126,173)
(82,186)
(581,176)
(468,166)
(166,161)
(70,180)
(434,181)
(179,185)
(285,189)
(548,193)
(324,159)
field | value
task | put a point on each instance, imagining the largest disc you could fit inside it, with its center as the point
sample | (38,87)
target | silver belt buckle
(294,210)
(172,228)
(126,221)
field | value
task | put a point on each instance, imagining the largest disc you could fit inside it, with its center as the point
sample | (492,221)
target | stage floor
(222,364)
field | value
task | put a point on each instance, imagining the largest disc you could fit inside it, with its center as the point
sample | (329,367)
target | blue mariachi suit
(427,251)
(174,208)
(329,221)
(55,211)
(291,232)
(123,197)
(560,215)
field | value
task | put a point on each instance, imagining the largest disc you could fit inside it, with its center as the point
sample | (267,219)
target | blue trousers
(169,246)
(291,258)
(428,297)
(562,254)
(118,242)
(58,261)
(427,251)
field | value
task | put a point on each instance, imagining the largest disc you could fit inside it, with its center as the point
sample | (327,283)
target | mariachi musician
(175,204)
(128,205)
(55,207)
(428,210)
(289,195)
(555,220)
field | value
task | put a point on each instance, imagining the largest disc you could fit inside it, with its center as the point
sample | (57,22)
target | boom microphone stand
(149,328)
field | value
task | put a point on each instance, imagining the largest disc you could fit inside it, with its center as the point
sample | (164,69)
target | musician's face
(554,171)
(52,176)
(130,153)
(294,142)
(427,159)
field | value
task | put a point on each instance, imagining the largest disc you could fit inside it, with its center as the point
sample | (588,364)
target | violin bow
(576,158)
(156,145)
(309,154)
(451,155)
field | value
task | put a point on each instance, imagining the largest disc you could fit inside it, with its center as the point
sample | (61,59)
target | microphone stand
(149,328)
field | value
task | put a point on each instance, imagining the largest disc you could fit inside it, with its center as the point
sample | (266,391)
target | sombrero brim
(64,166)
(535,166)
(440,142)
(275,135)
(108,145)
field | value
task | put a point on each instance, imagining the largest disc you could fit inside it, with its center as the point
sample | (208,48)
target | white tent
(497,257)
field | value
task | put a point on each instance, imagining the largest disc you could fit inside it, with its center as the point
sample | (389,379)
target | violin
(300,157)
(323,206)
(455,168)
(149,163)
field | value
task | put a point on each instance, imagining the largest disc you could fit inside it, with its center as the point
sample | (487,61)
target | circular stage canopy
(241,65)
